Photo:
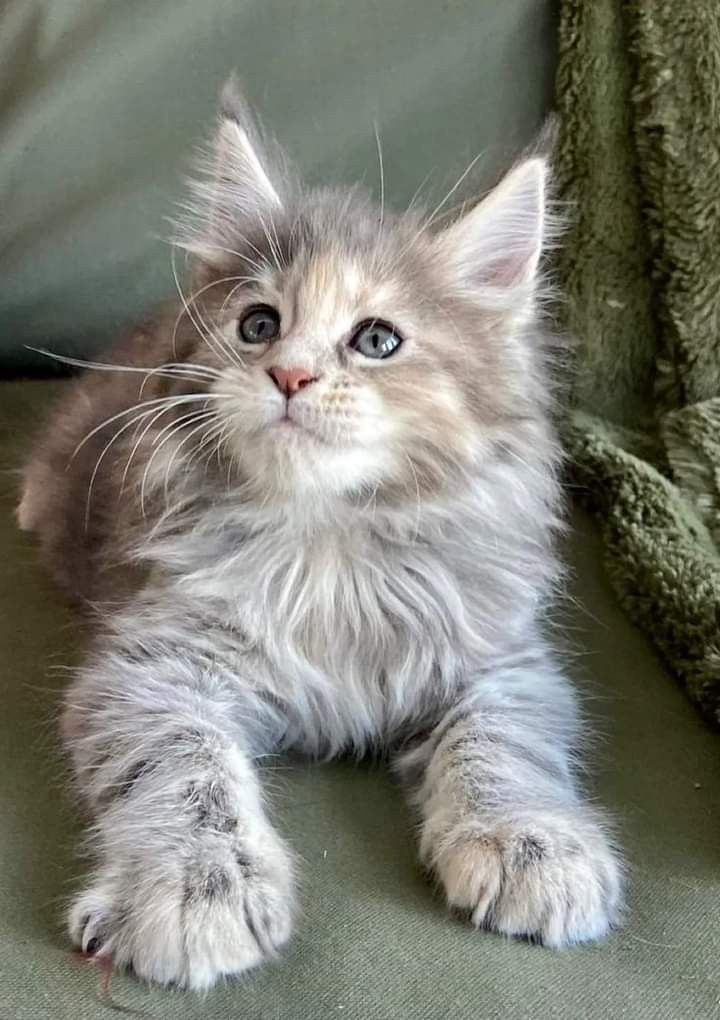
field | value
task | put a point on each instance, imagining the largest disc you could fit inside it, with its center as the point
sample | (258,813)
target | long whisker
(198,293)
(209,375)
(417,192)
(205,334)
(241,281)
(213,433)
(156,417)
(277,243)
(468,169)
(381,167)
(429,220)
(156,451)
(183,398)
(256,265)
(115,436)
(209,335)
(193,431)
(170,370)
(382,173)
(263,262)
(273,250)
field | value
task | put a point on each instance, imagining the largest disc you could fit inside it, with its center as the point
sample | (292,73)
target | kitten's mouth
(298,430)
(292,427)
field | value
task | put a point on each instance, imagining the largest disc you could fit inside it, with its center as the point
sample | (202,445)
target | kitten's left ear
(496,247)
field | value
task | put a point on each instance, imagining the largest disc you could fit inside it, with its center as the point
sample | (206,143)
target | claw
(102,960)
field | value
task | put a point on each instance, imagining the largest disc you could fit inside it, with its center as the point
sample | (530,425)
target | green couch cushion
(101,104)
(374,941)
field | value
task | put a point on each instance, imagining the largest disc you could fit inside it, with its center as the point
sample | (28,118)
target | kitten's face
(349,373)
(359,352)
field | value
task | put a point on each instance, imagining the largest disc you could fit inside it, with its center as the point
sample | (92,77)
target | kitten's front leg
(191,882)
(503,825)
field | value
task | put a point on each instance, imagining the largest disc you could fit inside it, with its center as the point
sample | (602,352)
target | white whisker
(156,451)
(381,219)
(207,335)
(468,169)
(195,373)
(193,431)
(170,370)
(193,298)
(115,436)
(170,400)
(176,421)
(241,280)
(273,250)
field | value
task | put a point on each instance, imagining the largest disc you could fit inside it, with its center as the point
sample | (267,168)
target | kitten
(314,508)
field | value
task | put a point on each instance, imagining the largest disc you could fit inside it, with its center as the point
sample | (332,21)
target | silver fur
(370,573)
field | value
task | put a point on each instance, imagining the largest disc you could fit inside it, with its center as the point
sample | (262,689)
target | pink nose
(290,380)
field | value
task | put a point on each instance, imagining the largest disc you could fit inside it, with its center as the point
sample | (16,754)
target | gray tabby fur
(369,573)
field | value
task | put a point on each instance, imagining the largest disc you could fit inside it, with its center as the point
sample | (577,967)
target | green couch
(98,103)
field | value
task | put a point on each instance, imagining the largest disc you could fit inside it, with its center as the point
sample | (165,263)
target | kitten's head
(360,351)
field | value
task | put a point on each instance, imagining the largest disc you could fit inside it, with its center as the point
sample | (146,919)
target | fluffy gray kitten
(313,508)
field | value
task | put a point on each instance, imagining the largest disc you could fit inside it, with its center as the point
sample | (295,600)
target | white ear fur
(497,245)
(234,183)
(238,153)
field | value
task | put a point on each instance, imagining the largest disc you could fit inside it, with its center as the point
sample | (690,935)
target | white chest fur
(361,624)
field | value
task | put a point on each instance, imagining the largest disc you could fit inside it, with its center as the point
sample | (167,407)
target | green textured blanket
(639,162)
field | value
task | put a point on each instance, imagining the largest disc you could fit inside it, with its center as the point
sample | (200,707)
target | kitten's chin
(288,459)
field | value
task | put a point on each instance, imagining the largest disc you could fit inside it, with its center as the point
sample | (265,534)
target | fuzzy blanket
(638,92)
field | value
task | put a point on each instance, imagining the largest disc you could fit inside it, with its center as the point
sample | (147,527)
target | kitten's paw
(549,876)
(191,920)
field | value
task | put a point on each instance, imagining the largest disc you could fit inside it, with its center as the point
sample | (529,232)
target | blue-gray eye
(376,340)
(260,325)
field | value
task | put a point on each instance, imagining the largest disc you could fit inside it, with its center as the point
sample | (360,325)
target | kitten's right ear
(495,248)
(242,177)
(242,164)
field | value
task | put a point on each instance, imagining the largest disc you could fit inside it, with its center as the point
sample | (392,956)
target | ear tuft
(498,244)
(233,105)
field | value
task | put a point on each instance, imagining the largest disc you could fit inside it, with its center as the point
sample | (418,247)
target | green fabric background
(374,942)
(638,93)
(102,102)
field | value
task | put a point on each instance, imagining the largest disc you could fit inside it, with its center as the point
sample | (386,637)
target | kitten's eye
(260,325)
(376,340)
